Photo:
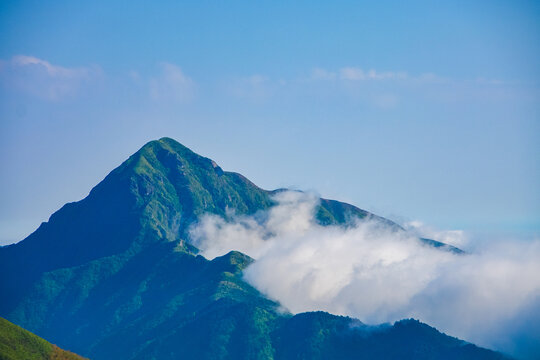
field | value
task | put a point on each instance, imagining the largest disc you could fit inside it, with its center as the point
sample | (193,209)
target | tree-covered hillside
(114,276)
(19,344)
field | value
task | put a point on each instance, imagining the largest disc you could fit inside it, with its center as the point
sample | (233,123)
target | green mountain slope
(150,198)
(17,344)
(112,276)
(316,335)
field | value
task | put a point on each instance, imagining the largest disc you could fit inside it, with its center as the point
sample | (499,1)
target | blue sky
(415,110)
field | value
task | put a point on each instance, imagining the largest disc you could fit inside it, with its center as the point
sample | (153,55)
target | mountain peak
(164,155)
(150,199)
(112,275)
(168,144)
(168,140)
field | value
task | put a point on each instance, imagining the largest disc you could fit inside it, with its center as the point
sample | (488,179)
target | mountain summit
(114,276)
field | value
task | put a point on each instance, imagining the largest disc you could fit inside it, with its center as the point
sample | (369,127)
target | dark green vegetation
(112,276)
(17,343)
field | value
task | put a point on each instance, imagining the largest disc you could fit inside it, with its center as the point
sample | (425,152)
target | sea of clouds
(489,296)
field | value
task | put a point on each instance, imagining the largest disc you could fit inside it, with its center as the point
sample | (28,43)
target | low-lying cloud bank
(490,297)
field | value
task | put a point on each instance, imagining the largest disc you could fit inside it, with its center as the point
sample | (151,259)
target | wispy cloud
(389,89)
(40,78)
(453,237)
(171,84)
(356,74)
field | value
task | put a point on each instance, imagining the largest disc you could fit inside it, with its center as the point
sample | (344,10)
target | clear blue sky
(417,110)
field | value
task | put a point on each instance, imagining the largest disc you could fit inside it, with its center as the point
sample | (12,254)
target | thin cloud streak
(37,77)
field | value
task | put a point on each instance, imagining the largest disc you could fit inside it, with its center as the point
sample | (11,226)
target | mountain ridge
(100,276)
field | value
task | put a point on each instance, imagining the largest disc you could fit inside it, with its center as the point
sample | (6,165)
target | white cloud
(358,74)
(171,84)
(351,73)
(216,236)
(40,78)
(377,274)
(452,237)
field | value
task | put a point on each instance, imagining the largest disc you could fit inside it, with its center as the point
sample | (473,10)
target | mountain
(17,343)
(114,276)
